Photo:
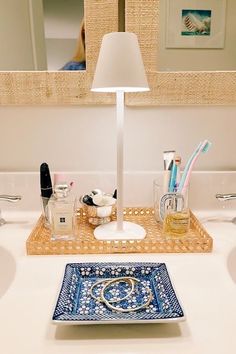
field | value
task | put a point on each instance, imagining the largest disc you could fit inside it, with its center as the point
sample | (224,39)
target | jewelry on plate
(123,310)
(108,281)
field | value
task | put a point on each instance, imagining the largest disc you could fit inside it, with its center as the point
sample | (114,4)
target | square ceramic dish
(150,292)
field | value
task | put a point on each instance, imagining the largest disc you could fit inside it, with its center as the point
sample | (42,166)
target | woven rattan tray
(197,240)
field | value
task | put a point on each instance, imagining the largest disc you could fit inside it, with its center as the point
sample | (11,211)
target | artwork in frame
(195,24)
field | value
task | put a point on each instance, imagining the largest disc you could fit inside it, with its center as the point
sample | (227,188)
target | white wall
(199,59)
(84,138)
(62,18)
(22,35)
(59,52)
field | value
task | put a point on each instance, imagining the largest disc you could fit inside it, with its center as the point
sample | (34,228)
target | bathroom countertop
(202,281)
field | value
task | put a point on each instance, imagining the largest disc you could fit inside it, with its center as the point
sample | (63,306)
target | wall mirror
(169,85)
(41,34)
(47,34)
(181,84)
(197,36)
(63,31)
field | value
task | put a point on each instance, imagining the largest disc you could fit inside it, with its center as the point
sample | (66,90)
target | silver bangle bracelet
(119,309)
(109,281)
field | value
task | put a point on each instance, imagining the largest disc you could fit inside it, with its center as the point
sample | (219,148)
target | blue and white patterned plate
(75,305)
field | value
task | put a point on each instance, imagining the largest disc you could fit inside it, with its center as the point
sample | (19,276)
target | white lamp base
(131,231)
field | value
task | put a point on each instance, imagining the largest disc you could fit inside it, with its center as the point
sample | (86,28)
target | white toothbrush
(168,157)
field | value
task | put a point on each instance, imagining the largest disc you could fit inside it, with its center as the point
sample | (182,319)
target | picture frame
(195,24)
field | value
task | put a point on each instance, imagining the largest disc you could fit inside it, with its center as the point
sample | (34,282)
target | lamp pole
(112,75)
(120,162)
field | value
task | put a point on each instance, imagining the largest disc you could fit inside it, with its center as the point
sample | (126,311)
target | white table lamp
(120,69)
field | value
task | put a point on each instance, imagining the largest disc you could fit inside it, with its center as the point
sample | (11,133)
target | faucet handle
(10,198)
(224,197)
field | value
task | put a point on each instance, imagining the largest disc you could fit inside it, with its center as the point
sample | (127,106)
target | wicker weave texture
(187,88)
(69,88)
(197,240)
(142,18)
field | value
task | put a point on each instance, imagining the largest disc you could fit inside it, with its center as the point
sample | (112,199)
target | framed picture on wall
(195,24)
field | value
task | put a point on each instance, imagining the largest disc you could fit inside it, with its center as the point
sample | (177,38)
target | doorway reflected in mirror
(64,34)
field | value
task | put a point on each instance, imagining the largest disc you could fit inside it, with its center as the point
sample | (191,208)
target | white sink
(231,263)
(7,270)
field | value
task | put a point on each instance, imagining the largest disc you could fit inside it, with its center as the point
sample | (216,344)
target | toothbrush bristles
(206,146)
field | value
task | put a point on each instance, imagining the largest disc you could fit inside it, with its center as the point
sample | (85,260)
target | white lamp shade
(120,65)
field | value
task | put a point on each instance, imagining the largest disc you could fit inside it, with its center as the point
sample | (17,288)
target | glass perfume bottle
(61,207)
(177,215)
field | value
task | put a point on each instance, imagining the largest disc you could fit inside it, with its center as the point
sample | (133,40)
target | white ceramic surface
(203,281)
(231,263)
(7,269)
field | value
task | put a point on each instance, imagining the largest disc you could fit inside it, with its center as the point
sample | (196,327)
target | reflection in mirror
(182,47)
(64,34)
(41,35)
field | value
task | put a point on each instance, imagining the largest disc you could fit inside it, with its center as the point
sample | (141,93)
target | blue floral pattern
(75,303)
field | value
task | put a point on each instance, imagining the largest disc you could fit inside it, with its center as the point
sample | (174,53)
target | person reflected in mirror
(78,62)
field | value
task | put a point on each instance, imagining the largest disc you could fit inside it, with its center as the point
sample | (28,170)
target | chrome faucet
(8,198)
(224,197)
